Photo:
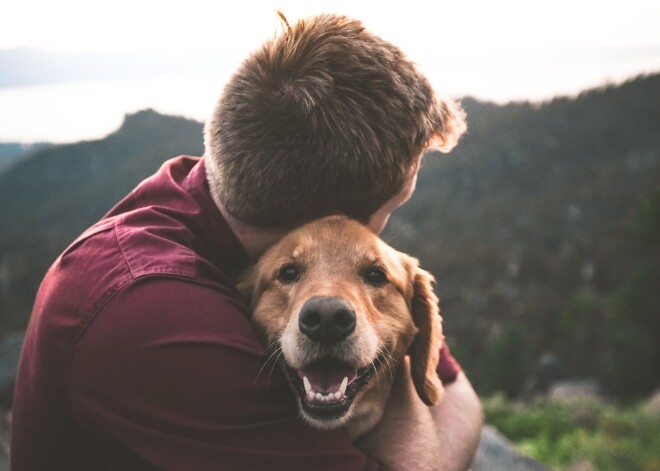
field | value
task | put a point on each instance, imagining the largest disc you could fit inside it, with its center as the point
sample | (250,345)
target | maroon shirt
(140,353)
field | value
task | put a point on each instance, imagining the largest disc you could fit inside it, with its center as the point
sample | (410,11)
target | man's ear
(425,349)
(450,125)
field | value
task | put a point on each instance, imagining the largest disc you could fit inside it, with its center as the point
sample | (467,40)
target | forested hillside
(539,228)
(532,228)
(52,196)
(10,152)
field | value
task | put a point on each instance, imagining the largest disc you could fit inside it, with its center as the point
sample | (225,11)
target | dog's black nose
(326,319)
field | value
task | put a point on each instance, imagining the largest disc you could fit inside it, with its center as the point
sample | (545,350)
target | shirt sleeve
(174,371)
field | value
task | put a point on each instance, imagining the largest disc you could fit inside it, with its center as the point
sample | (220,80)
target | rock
(652,405)
(5,423)
(10,352)
(576,390)
(547,371)
(496,453)
(582,465)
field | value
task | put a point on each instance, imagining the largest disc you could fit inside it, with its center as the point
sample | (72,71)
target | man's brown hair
(324,118)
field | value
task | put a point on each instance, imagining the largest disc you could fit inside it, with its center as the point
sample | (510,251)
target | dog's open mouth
(327,387)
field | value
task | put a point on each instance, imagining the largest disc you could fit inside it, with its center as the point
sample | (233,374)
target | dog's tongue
(326,376)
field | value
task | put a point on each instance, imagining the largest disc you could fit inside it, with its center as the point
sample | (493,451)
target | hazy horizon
(506,51)
(85,110)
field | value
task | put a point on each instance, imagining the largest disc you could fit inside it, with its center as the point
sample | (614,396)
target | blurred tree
(647,223)
(634,326)
(507,362)
(580,331)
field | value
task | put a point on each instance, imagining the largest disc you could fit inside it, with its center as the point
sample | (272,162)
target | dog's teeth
(342,386)
(325,398)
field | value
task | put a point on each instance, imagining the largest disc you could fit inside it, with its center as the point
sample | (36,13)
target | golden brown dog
(343,308)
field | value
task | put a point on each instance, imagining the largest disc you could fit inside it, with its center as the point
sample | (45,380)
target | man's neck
(255,240)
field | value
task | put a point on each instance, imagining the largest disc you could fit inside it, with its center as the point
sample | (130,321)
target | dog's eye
(376,276)
(288,274)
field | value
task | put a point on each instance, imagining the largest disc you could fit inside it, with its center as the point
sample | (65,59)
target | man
(140,353)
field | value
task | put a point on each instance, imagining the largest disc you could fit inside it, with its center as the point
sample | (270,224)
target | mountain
(527,226)
(539,228)
(55,193)
(12,151)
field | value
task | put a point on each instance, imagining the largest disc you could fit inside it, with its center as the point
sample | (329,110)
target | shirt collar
(220,242)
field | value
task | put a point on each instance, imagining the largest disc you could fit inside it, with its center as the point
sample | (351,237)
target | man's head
(325,118)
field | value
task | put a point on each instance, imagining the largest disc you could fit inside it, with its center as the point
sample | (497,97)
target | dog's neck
(255,240)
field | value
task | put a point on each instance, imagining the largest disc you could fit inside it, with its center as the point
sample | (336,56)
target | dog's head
(345,308)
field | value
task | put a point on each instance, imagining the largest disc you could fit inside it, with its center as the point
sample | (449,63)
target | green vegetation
(623,325)
(562,434)
(508,361)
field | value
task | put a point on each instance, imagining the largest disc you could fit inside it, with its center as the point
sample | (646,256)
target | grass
(562,434)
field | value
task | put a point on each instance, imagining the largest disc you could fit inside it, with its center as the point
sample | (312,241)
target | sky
(496,50)
(129,25)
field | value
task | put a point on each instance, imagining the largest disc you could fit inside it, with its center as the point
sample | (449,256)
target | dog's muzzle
(326,320)
(328,385)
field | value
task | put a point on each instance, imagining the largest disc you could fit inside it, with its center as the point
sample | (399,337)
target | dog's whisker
(388,368)
(275,352)
(271,355)
(274,344)
(273,367)
(385,359)
(391,366)
(392,236)
(373,364)
(375,367)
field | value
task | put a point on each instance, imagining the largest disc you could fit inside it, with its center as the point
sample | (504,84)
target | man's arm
(459,419)
(172,374)
(413,436)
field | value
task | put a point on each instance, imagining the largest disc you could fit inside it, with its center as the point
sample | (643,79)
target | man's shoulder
(117,278)
(161,228)
(155,244)
(116,251)
(164,231)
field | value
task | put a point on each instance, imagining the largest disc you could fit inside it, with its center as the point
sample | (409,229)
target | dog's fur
(336,257)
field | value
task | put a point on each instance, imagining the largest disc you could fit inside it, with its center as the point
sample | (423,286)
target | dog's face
(345,308)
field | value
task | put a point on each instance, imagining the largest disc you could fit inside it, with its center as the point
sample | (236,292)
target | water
(74,111)
(69,112)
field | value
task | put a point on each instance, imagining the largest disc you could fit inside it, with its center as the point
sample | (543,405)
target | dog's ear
(425,349)
(247,285)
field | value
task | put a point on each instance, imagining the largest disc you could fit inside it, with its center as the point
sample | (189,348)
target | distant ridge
(529,221)
(55,193)
(11,151)
(528,218)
